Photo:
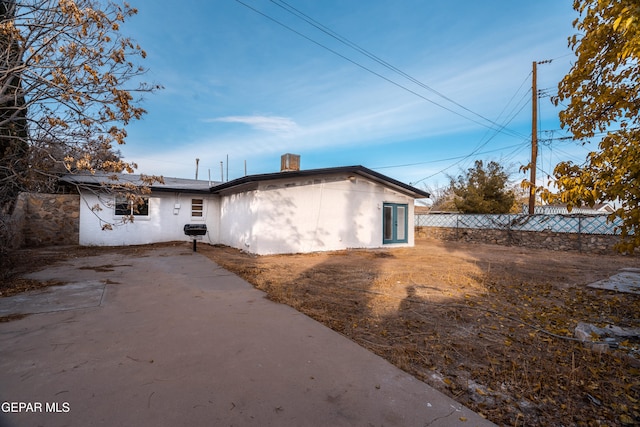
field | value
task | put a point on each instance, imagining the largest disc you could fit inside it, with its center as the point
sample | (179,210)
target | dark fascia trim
(178,190)
(359,170)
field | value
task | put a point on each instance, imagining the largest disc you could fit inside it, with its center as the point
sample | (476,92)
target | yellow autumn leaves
(603,93)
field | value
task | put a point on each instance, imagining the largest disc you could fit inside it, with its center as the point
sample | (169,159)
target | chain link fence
(558,223)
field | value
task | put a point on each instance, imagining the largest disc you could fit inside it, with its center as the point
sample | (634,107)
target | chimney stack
(289,162)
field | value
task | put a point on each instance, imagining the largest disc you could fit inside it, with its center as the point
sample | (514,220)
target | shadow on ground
(493,327)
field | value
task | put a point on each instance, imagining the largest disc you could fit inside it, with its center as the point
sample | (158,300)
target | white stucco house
(292,211)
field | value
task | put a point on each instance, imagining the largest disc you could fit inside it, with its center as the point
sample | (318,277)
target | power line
(480,146)
(500,128)
(443,160)
(514,95)
(492,126)
(286,6)
(522,145)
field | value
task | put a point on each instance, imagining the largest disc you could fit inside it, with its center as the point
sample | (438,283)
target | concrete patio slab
(627,281)
(56,298)
(175,340)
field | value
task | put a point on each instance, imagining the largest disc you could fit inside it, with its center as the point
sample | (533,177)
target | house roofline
(171,185)
(358,170)
(202,187)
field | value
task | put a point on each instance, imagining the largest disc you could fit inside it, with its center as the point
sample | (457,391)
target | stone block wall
(47,219)
(589,243)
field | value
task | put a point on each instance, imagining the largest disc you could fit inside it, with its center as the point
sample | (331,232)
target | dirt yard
(491,326)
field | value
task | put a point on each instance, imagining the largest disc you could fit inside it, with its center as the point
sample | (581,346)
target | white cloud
(273,124)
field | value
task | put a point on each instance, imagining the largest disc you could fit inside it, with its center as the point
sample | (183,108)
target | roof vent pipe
(289,162)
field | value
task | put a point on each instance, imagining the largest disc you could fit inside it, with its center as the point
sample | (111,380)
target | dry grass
(490,326)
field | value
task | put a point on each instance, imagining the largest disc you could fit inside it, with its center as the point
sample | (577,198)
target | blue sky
(240,85)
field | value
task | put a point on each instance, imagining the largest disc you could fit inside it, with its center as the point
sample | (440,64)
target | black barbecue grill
(195,230)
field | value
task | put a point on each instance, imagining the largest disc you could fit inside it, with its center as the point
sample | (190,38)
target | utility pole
(197,162)
(534,141)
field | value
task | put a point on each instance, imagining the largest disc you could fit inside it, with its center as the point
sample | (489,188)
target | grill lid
(195,229)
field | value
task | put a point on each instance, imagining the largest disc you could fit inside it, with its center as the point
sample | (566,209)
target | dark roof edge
(179,190)
(360,170)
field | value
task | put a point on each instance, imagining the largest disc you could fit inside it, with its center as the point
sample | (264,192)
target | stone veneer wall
(47,219)
(590,243)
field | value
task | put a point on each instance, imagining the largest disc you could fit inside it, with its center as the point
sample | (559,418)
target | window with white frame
(125,206)
(197,208)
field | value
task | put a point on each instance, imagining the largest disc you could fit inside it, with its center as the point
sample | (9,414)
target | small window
(126,207)
(197,207)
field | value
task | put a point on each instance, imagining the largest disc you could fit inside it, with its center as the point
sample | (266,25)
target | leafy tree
(67,83)
(483,190)
(603,92)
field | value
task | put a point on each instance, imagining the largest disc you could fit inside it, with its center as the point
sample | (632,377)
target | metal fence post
(579,234)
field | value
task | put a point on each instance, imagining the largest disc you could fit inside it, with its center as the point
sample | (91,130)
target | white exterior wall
(308,215)
(294,215)
(168,213)
(238,214)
